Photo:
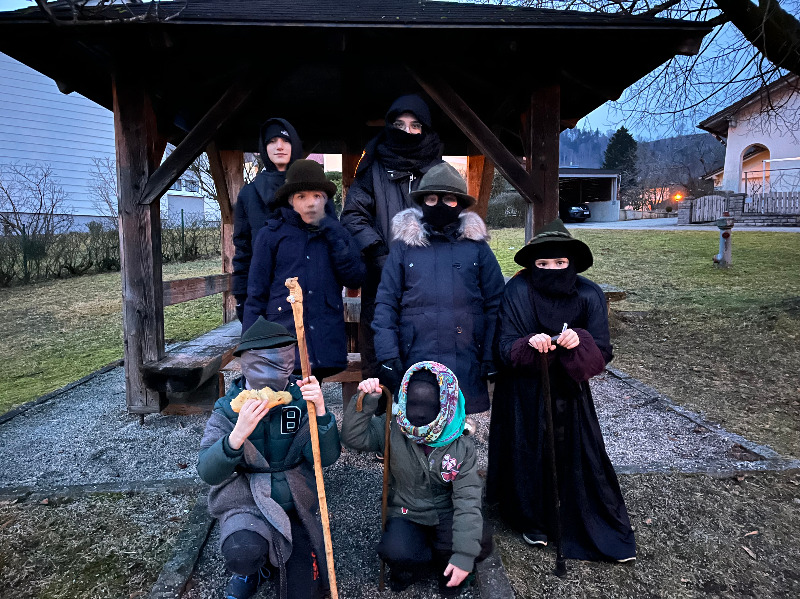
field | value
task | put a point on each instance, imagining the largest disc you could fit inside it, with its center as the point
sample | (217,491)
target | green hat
(443,178)
(304,175)
(554,235)
(264,334)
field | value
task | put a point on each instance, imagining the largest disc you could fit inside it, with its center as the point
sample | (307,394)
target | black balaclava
(422,404)
(440,215)
(553,290)
(401,151)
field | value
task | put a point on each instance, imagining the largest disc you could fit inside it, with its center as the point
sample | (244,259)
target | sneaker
(242,587)
(626,560)
(379,456)
(470,426)
(536,539)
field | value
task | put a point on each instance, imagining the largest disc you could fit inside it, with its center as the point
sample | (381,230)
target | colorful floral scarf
(449,423)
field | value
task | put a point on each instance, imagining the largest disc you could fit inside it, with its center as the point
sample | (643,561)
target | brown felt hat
(304,175)
(554,235)
(441,179)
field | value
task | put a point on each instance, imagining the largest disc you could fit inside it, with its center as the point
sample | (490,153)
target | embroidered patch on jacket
(404,510)
(450,468)
(290,420)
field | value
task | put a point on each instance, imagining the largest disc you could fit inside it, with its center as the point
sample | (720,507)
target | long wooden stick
(561,564)
(296,299)
(386,451)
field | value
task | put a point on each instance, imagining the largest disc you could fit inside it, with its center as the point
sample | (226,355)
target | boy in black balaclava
(440,290)
(391,168)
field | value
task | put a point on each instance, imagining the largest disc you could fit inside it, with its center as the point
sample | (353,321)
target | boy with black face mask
(440,290)
(434,520)
(260,465)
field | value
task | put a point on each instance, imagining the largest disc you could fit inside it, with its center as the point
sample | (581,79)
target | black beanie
(276,129)
(413,104)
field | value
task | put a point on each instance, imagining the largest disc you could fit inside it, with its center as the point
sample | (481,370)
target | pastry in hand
(273,398)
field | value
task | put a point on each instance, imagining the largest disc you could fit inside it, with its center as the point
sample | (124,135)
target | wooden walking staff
(386,448)
(296,299)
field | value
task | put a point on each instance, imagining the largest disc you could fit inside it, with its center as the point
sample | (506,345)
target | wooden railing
(776,202)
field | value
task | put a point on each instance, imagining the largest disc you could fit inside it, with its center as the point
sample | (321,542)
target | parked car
(574,213)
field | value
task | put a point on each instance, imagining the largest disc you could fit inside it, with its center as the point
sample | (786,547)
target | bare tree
(103,188)
(751,46)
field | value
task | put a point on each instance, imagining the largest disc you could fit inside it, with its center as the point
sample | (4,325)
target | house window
(191,185)
(176,186)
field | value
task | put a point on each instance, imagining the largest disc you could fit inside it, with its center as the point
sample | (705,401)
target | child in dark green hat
(260,467)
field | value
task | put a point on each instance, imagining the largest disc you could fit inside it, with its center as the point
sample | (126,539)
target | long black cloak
(594,520)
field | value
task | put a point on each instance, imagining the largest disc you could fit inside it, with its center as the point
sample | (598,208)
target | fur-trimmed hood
(407,226)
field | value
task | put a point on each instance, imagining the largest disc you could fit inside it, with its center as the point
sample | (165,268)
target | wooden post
(541,127)
(350,160)
(227,170)
(480,171)
(139,151)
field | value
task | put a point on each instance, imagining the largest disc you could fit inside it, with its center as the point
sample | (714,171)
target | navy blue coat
(254,206)
(438,300)
(324,259)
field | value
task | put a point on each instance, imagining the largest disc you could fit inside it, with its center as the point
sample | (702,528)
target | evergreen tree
(621,156)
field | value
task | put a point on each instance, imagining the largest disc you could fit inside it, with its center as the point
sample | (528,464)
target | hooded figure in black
(537,303)
(255,203)
(392,165)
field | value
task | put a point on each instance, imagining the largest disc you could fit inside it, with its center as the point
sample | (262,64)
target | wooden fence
(776,202)
(708,208)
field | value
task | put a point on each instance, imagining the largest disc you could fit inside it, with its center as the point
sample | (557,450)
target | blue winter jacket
(324,259)
(438,300)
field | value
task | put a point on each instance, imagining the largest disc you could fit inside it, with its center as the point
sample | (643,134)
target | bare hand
(313,393)
(542,343)
(569,339)
(250,415)
(457,575)
(370,386)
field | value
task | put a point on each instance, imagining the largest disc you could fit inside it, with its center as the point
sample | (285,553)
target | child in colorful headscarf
(434,508)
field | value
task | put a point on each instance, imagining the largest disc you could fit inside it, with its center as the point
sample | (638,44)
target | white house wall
(780,140)
(39,124)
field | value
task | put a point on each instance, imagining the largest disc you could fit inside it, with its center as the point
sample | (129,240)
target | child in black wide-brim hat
(546,299)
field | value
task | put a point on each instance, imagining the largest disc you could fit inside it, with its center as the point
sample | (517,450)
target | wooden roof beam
(477,131)
(196,141)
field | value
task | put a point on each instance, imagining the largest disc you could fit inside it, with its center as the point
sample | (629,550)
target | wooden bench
(613,294)
(187,372)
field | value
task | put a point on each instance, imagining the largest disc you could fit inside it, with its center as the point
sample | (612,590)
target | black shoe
(242,587)
(535,538)
(400,579)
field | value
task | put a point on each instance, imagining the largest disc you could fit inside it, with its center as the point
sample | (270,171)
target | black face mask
(440,215)
(397,138)
(422,405)
(554,281)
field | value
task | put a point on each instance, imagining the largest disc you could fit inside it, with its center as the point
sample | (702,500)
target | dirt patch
(697,536)
(111,545)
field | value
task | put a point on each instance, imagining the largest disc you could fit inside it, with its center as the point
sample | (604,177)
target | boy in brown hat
(304,239)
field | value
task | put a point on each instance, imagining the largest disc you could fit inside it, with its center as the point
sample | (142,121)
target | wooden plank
(542,127)
(352,374)
(196,141)
(184,290)
(138,148)
(480,172)
(477,131)
(352,309)
(350,160)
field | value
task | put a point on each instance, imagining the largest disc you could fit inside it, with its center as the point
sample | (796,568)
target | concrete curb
(772,459)
(53,394)
(188,546)
(492,580)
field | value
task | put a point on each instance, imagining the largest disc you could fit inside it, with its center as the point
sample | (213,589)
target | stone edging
(773,459)
(53,394)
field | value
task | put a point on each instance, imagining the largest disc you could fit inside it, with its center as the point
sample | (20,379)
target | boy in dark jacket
(304,240)
(279,146)
(260,465)
(434,512)
(440,290)
(392,165)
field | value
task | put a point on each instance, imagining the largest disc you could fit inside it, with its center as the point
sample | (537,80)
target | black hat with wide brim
(554,236)
(304,175)
(441,179)
(264,334)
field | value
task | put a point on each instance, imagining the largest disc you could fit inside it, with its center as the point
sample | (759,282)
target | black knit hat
(275,129)
(411,103)
(554,235)
(441,179)
(304,175)
(264,334)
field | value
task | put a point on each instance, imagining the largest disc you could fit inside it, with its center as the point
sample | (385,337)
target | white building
(762,150)
(67,133)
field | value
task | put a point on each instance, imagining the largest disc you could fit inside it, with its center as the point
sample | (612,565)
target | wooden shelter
(203,74)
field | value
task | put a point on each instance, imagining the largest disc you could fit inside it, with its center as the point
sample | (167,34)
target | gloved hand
(391,374)
(488,371)
(240,300)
